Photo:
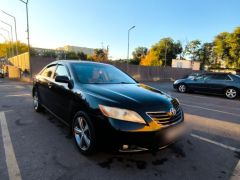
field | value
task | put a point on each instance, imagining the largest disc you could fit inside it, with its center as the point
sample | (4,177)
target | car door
(44,85)
(217,82)
(62,94)
(198,83)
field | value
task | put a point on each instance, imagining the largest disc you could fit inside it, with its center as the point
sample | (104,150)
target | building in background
(45,51)
(76,49)
(194,65)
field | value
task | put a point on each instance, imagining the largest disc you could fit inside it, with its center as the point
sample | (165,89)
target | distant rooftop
(76,49)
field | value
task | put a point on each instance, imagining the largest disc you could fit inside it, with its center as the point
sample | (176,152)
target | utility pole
(15,25)
(30,65)
(128,42)
(26,4)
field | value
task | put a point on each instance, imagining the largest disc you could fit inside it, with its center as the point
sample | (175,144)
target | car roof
(217,73)
(78,62)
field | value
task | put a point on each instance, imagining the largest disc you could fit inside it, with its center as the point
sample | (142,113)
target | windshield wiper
(125,83)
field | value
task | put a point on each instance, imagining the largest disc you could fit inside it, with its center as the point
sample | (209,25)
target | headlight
(121,114)
(175,82)
(177,100)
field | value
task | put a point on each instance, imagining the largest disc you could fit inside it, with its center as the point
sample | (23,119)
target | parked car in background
(191,76)
(104,106)
(214,83)
(2,73)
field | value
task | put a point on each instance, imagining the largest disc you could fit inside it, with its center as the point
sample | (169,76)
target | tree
(234,47)
(221,46)
(100,55)
(71,55)
(82,56)
(162,53)
(138,54)
(192,49)
(51,54)
(206,54)
(227,48)
(6,48)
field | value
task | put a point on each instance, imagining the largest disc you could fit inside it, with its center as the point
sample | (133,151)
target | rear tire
(182,88)
(36,104)
(231,93)
(84,134)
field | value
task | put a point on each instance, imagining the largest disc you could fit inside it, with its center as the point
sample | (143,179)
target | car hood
(130,95)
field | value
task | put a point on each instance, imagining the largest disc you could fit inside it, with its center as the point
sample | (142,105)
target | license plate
(174,132)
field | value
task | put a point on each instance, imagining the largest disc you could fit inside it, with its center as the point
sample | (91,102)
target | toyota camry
(104,106)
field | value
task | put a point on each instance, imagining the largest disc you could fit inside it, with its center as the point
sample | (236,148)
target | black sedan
(104,106)
(214,83)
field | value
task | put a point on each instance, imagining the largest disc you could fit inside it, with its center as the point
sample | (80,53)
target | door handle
(50,85)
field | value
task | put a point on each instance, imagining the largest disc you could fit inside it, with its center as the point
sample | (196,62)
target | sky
(97,23)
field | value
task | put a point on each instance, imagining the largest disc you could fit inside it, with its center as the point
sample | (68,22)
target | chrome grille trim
(164,118)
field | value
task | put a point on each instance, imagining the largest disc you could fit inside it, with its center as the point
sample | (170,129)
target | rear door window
(220,77)
(49,71)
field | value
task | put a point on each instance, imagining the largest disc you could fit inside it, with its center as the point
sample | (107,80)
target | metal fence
(154,73)
(21,61)
(140,73)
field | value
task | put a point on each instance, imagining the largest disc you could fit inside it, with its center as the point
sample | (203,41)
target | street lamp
(11,33)
(30,64)
(128,41)
(8,53)
(9,39)
(26,3)
(15,24)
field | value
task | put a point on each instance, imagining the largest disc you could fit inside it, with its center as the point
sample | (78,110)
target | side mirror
(64,79)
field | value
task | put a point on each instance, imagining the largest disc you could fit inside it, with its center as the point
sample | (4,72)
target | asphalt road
(37,146)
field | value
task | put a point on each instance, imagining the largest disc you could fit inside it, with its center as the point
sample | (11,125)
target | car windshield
(100,74)
(238,76)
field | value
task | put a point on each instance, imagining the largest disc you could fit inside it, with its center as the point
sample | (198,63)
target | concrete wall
(194,65)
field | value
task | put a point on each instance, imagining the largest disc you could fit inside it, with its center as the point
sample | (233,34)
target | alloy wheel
(182,88)
(231,93)
(35,100)
(82,133)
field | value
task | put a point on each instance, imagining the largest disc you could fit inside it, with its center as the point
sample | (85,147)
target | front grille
(164,118)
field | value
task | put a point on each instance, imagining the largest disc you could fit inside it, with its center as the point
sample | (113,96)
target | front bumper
(158,138)
(148,138)
(175,86)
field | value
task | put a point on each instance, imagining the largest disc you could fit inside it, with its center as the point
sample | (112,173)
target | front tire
(182,88)
(84,133)
(36,104)
(231,93)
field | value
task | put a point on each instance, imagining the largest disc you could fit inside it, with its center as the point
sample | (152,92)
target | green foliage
(193,49)
(100,55)
(138,54)
(227,48)
(49,54)
(162,53)
(71,55)
(82,56)
(6,48)
(206,54)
